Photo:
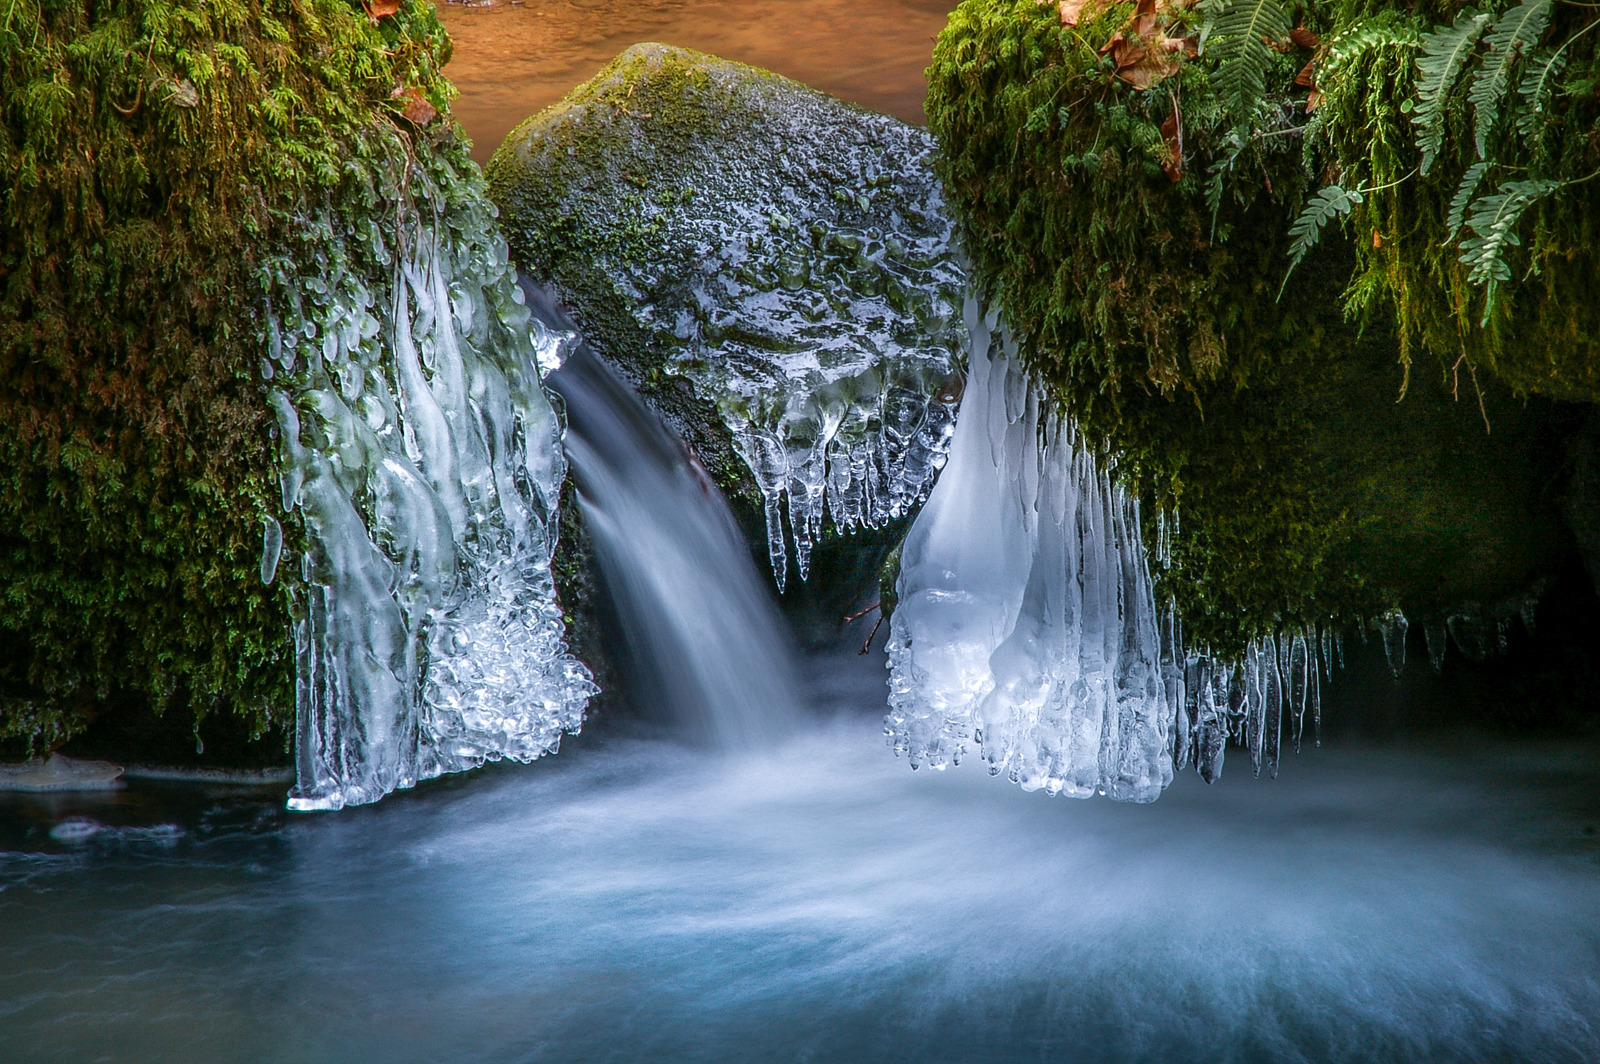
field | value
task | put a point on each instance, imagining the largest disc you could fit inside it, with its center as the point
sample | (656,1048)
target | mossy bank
(1325,451)
(154,156)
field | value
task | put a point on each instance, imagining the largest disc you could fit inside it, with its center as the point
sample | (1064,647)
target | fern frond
(1241,29)
(1493,223)
(1514,33)
(1464,193)
(1537,86)
(1329,202)
(1365,36)
(1445,52)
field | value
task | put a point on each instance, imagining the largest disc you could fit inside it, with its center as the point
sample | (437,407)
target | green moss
(152,153)
(1307,494)
(1538,329)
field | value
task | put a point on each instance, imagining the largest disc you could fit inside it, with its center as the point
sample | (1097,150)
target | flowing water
(635,898)
(513,59)
(702,634)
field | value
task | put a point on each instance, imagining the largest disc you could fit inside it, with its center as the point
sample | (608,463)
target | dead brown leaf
(1076,11)
(1307,78)
(381,8)
(1304,38)
(1150,54)
(1172,133)
(415,107)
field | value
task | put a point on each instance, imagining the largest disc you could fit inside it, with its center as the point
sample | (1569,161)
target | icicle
(1393,625)
(425,458)
(1314,689)
(1438,643)
(1256,729)
(271,548)
(1027,620)
(1299,680)
(1275,694)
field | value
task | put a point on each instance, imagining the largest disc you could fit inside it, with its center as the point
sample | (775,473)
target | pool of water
(514,59)
(637,899)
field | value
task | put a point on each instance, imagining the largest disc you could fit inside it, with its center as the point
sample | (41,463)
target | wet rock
(774,271)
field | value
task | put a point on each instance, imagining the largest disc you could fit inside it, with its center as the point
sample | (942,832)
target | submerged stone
(773,269)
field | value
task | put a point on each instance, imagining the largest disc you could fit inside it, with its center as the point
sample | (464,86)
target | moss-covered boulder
(278,448)
(772,268)
(1137,222)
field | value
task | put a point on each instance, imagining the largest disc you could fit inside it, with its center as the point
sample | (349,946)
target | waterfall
(424,458)
(1026,621)
(698,621)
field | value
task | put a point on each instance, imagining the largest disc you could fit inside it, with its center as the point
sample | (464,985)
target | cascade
(423,455)
(699,624)
(1026,622)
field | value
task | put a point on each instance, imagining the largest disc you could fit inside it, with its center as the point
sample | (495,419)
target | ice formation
(1026,622)
(830,345)
(424,456)
(800,270)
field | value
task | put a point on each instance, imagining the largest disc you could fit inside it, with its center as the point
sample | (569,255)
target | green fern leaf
(1538,84)
(1493,223)
(1365,36)
(1445,52)
(1329,202)
(1241,29)
(1464,193)
(1514,33)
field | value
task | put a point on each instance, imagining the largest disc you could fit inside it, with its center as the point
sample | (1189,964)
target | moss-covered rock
(773,270)
(1137,234)
(153,155)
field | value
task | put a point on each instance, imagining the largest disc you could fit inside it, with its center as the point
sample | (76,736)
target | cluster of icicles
(420,447)
(1027,623)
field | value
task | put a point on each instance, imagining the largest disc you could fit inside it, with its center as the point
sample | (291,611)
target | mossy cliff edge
(1379,428)
(155,155)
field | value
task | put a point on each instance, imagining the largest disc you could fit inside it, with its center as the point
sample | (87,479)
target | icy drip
(424,456)
(1026,621)
(1261,701)
(699,622)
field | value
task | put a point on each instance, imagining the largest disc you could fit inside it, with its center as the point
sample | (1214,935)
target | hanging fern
(1352,44)
(1242,29)
(1329,202)
(1445,52)
(1493,222)
(1536,88)
(1514,33)
(1463,197)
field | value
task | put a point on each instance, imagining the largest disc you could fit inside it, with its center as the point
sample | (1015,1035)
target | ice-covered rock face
(786,253)
(1026,623)
(424,458)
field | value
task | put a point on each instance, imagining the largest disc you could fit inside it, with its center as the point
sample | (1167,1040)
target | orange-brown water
(514,59)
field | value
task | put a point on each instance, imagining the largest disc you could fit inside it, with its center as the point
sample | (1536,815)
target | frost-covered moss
(152,154)
(1137,233)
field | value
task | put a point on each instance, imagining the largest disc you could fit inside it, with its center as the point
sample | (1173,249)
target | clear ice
(1026,624)
(424,456)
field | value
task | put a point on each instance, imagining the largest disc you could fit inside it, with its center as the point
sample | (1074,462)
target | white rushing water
(639,899)
(1026,624)
(704,637)
(421,450)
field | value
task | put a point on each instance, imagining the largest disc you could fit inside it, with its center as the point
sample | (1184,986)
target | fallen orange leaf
(1172,133)
(381,8)
(416,108)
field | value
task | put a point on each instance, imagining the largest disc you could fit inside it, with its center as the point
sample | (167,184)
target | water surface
(637,899)
(512,59)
